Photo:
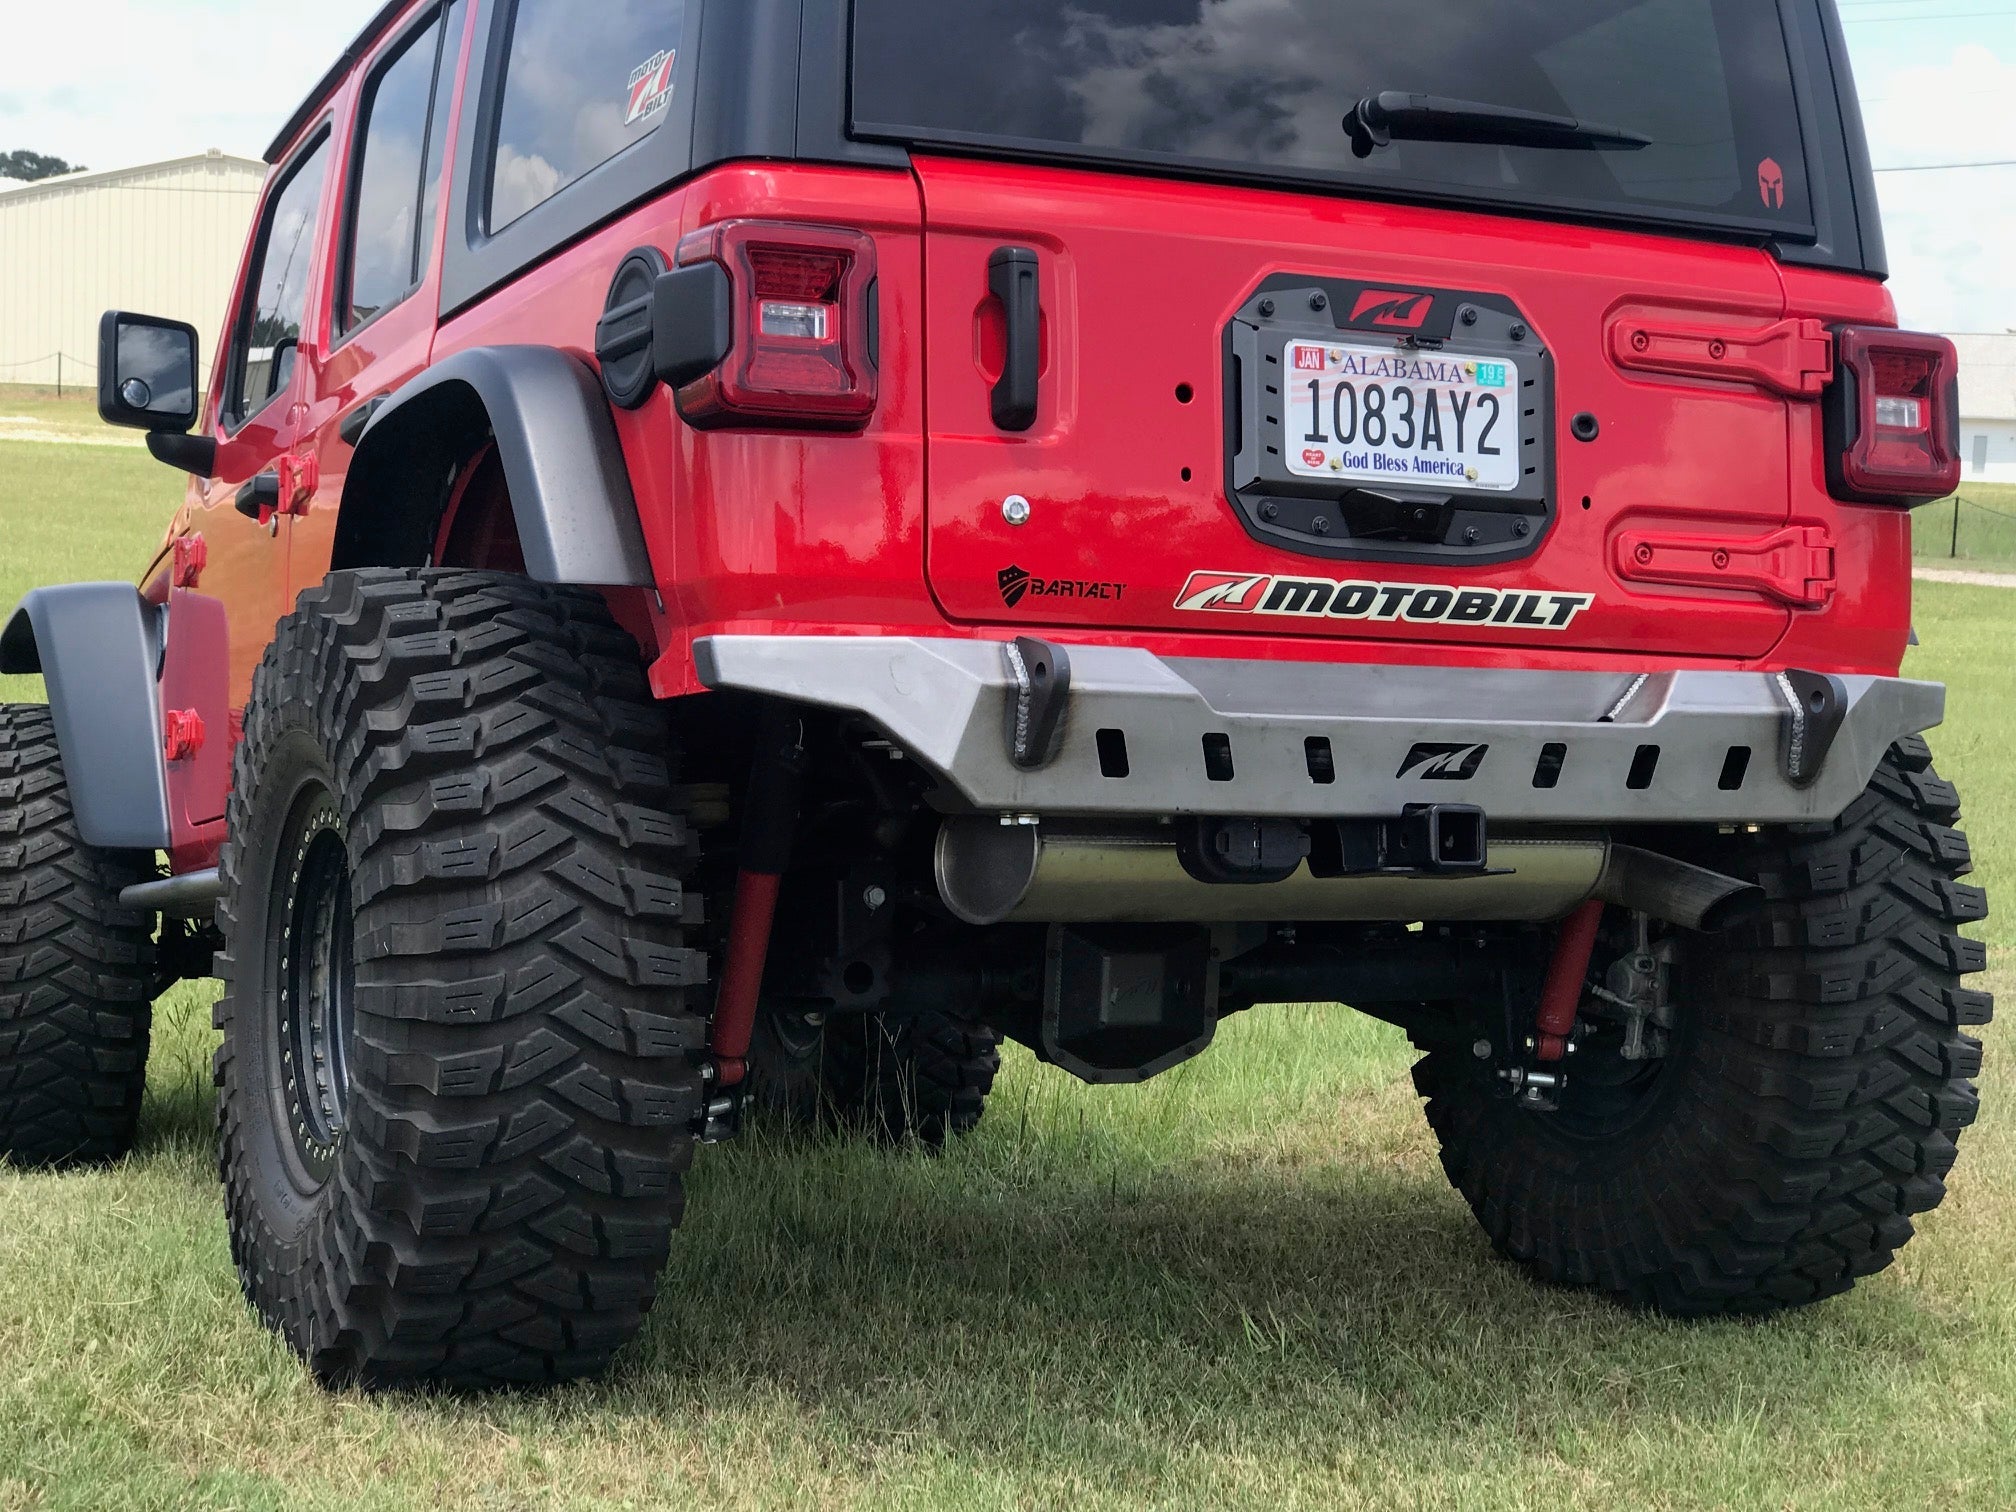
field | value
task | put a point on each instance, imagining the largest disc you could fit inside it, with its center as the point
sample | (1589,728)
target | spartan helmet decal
(1771,184)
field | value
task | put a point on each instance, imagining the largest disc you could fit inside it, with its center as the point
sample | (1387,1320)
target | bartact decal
(1413,603)
(651,87)
(1017,584)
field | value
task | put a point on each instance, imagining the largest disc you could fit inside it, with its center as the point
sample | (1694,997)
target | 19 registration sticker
(1384,414)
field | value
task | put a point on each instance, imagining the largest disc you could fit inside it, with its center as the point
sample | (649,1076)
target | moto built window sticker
(576,95)
(651,86)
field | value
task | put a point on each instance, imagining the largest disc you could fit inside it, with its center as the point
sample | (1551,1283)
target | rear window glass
(398,175)
(581,84)
(1263,86)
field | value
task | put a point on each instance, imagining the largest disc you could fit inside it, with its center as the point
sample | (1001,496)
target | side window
(398,174)
(576,95)
(269,327)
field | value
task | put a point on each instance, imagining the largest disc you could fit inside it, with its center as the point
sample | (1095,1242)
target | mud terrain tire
(1818,1079)
(76,969)
(922,1076)
(455,864)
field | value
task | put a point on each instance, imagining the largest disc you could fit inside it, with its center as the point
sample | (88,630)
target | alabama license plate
(1381,414)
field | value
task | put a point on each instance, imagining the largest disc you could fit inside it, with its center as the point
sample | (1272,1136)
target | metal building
(163,239)
(1988,407)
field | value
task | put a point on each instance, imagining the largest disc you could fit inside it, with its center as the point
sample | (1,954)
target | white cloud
(1952,235)
(115,82)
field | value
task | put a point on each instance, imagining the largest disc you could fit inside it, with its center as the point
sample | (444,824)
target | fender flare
(100,647)
(564,466)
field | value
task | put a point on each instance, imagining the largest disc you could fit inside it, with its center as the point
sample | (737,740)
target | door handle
(359,420)
(260,499)
(288,488)
(1014,278)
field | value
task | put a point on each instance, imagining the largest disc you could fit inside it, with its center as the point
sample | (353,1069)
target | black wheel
(921,1075)
(1809,1099)
(76,969)
(460,1076)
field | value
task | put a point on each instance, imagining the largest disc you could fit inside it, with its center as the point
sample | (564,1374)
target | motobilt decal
(651,86)
(1412,603)
(1435,761)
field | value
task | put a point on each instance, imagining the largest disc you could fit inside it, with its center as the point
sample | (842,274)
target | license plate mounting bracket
(1359,519)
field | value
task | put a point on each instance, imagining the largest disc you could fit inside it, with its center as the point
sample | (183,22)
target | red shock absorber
(770,819)
(1567,974)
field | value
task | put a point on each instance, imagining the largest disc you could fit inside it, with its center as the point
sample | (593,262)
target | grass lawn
(1985,514)
(1246,1284)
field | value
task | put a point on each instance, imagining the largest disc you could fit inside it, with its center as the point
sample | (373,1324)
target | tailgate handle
(1013,277)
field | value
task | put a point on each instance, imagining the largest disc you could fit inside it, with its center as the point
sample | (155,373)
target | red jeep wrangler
(1060,519)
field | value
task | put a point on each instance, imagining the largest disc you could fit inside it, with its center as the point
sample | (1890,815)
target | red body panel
(899,529)
(195,680)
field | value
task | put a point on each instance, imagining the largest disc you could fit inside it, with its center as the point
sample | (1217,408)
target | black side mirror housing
(147,380)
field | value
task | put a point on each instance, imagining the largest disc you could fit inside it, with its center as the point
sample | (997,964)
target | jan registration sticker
(651,87)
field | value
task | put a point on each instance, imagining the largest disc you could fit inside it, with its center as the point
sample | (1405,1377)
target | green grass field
(1246,1284)
(1980,522)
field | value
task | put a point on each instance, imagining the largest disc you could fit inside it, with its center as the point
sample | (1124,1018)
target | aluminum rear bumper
(949,704)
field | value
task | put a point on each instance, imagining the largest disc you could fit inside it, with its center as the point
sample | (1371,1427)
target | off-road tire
(76,969)
(1818,1079)
(524,1065)
(911,1075)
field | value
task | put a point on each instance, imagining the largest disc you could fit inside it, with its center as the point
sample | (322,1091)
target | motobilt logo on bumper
(1415,603)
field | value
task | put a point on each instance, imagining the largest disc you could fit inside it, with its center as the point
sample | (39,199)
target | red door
(380,315)
(229,567)
(1150,293)
(262,479)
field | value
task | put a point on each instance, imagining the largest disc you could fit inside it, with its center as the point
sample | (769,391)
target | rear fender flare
(100,647)
(563,463)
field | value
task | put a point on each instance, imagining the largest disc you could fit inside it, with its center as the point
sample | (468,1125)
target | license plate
(1381,414)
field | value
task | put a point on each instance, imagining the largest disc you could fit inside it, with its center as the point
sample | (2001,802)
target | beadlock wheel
(1810,1101)
(460,1078)
(317,977)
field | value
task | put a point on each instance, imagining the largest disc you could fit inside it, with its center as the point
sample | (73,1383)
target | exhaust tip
(1746,901)
(1676,891)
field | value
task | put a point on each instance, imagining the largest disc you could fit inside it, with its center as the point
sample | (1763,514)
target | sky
(114,82)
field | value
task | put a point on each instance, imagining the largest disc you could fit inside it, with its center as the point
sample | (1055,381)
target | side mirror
(147,381)
(146,372)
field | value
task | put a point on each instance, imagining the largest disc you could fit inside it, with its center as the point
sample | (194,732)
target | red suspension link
(1567,974)
(770,819)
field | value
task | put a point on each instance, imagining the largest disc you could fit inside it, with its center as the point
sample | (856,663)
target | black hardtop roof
(332,80)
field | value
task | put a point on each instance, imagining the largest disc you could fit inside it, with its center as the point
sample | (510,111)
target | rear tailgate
(1143,514)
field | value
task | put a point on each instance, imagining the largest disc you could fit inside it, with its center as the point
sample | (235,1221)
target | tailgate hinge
(1791,357)
(1794,565)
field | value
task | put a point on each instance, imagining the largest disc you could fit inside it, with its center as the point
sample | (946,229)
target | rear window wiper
(1380,120)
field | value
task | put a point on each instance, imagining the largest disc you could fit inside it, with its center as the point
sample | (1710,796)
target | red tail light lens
(801,352)
(1893,417)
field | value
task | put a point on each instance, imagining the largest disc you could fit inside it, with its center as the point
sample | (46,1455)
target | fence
(1968,527)
(60,369)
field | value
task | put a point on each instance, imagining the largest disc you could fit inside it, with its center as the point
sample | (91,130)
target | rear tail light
(800,338)
(1893,417)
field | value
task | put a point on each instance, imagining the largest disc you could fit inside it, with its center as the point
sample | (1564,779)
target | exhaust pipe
(1690,896)
(1079,872)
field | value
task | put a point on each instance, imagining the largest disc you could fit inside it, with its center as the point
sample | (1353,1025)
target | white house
(1988,407)
(160,239)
